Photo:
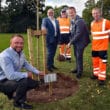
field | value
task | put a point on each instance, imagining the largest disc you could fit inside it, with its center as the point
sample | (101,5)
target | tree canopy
(104,5)
(18,15)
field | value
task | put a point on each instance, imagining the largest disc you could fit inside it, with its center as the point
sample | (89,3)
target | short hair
(96,8)
(50,9)
(73,8)
(63,10)
(16,35)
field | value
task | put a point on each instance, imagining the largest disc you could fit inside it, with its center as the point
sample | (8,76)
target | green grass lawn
(89,96)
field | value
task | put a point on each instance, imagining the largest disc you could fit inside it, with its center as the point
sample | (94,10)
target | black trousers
(64,38)
(100,54)
(20,87)
(78,53)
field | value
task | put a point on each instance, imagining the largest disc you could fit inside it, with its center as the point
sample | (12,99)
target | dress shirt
(72,23)
(11,64)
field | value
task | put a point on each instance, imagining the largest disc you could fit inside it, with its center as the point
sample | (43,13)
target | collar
(51,18)
(15,51)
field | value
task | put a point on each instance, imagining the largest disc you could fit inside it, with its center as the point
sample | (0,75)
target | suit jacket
(79,33)
(50,37)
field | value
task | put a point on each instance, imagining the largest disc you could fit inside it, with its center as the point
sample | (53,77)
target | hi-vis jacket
(100,34)
(64,25)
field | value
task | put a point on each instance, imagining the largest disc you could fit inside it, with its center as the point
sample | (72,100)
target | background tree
(87,11)
(0,6)
(18,15)
(103,4)
(4,18)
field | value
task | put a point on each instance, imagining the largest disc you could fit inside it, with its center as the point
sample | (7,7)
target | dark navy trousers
(78,53)
(8,87)
(51,50)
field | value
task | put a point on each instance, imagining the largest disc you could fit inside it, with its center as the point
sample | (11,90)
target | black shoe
(73,71)
(69,60)
(101,82)
(10,96)
(42,81)
(53,67)
(23,105)
(94,77)
(78,75)
(50,69)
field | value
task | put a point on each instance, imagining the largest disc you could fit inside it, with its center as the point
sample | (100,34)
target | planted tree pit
(64,87)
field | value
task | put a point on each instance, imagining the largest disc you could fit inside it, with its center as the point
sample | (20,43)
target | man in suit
(79,39)
(51,25)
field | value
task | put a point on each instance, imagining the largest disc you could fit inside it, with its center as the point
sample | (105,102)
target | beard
(18,50)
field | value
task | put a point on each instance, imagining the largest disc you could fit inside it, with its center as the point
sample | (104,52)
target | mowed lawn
(90,96)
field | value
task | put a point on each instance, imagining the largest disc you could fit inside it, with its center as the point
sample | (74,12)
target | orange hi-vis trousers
(99,59)
(64,51)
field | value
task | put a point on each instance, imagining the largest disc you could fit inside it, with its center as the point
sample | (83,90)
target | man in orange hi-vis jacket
(64,39)
(100,30)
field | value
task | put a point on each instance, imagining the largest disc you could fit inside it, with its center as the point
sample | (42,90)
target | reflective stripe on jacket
(64,25)
(100,34)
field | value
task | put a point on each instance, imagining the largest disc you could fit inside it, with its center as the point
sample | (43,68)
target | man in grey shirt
(12,60)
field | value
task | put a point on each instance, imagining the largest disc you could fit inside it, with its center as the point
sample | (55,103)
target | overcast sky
(78,4)
(3,3)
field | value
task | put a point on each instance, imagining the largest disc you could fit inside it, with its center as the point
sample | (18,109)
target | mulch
(64,87)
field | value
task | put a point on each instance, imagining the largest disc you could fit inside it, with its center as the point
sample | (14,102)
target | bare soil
(64,87)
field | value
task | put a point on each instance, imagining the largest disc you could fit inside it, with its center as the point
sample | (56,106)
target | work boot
(93,77)
(22,105)
(53,67)
(50,69)
(78,75)
(73,71)
(68,59)
(9,95)
(101,82)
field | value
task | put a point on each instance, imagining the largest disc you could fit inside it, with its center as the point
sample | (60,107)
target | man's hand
(44,31)
(41,73)
(30,75)
(59,46)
